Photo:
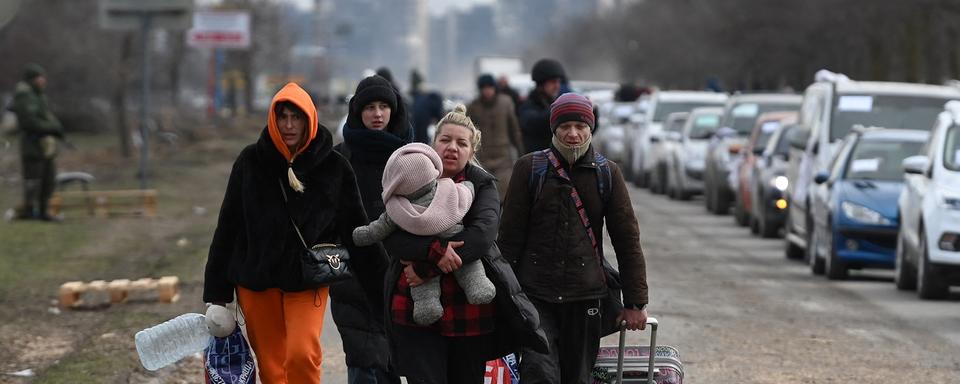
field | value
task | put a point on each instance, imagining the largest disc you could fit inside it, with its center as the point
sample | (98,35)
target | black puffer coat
(517,320)
(359,318)
(534,117)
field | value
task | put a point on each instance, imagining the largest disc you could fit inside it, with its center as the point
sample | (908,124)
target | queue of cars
(852,174)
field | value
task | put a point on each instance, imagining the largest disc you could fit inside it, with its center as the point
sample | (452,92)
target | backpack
(541,164)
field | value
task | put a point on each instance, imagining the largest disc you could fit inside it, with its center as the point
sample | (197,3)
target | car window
(743,116)
(767,129)
(951,149)
(783,141)
(665,108)
(907,112)
(676,125)
(840,158)
(880,159)
(703,125)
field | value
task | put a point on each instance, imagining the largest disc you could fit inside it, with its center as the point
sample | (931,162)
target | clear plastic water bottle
(172,340)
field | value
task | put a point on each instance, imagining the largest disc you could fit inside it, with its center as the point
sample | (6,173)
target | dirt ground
(96,345)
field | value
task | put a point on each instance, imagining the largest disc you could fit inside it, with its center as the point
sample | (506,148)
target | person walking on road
(39,132)
(494,116)
(376,126)
(289,177)
(426,108)
(552,231)
(534,112)
(456,348)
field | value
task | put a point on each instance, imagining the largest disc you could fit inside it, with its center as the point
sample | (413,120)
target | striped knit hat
(571,107)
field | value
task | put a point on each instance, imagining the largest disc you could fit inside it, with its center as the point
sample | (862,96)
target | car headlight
(863,214)
(780,182)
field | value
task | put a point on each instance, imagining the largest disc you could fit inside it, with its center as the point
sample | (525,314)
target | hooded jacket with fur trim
(255,245)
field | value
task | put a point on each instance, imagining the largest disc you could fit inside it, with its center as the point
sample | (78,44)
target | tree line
(767,44)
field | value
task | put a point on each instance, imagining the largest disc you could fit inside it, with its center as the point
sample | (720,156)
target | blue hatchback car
(855,218)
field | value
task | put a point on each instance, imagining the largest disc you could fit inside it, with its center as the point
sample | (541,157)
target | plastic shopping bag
(228,360)
(504,370)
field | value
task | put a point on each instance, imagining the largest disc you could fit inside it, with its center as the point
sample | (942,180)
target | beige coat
(500,140)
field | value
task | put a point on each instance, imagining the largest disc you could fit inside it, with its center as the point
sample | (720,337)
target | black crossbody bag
(321,264)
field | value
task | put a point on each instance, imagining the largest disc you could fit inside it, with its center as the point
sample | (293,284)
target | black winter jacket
(517,320)
(359,318)
(534,117)
(255,245)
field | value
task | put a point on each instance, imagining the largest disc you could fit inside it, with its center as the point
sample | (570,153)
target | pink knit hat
(409,168)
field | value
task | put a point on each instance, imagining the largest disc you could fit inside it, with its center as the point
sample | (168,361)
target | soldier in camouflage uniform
(39,131)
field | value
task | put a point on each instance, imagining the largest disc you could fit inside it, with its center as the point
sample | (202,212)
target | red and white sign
(220,29)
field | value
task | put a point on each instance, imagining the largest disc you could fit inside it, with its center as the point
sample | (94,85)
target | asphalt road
(739,312)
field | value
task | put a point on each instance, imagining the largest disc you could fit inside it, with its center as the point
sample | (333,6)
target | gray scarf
(571,154)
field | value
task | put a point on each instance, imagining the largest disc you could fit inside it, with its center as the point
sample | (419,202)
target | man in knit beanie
(493,114)
(551,231)
(534,112)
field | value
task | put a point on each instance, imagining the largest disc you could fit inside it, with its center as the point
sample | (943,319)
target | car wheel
(905,274)
(662,178)
(930,283)
(768,231)
(816,263)
(638,179)
(739,213)
(834,268)
(707,193)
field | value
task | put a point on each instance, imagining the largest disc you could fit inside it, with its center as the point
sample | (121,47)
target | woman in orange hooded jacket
(255,251)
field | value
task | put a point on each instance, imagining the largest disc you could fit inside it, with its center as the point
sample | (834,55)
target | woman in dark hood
(376,126)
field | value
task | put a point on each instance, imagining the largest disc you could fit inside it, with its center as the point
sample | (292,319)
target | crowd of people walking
(460,252)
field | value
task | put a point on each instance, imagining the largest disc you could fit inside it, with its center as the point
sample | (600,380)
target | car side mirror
(799,138)
(821,178)
(725,132)
(758,150)
(916,164)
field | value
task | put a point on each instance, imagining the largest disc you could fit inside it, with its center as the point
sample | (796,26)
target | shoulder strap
(295,227)
(578,203)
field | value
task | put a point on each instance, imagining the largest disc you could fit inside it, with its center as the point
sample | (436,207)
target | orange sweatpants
(284,330)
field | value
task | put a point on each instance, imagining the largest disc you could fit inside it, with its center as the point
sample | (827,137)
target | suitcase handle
(652,322)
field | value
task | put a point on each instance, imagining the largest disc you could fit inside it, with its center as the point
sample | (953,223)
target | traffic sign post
(218,30)
(145,15)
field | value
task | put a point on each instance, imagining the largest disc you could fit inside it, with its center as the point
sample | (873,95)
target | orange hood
(296,95)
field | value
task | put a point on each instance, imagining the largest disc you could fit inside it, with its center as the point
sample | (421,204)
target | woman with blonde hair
(455,348)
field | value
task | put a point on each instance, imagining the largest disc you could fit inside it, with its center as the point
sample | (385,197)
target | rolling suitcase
(633,364)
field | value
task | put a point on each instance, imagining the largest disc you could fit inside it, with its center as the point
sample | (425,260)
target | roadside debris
(99,293)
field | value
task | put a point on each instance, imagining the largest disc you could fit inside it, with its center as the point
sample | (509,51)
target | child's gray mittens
(478,288)
(426,302)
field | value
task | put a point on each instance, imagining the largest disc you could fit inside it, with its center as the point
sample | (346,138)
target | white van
(832,105)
